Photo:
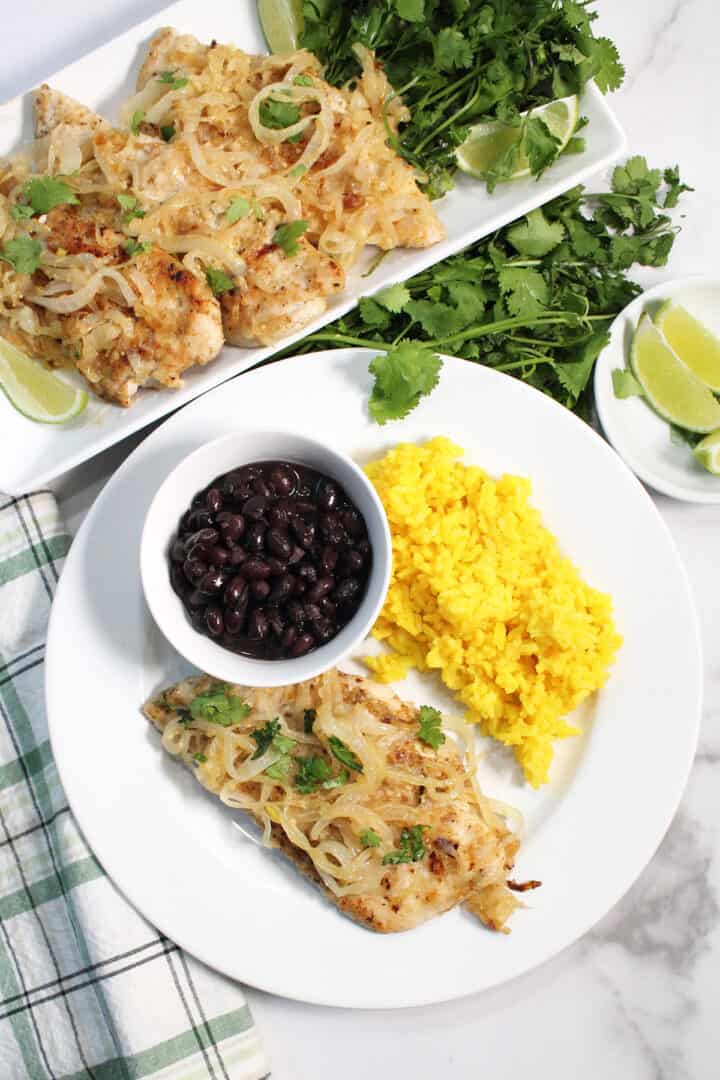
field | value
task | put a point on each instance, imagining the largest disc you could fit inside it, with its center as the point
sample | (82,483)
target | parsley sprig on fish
(461,62)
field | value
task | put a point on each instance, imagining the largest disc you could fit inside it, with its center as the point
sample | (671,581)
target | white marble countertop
(637,998)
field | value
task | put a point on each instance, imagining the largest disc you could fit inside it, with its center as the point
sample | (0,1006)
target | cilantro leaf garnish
(286,236)
(136,120)
(337,781)
(344,754)
(430,731)
(298,170)
(625,384)
(173,81)
(311,771)
(403,375)
(278,114)
(135,247)
(535,236)
(280,768)
(167,131)
(411,848)
(393,298)
(303,80)
(21,211)
(131,206)
(218,281)
(200,759)
(219,706)
(264,736)
(237,208)
(43,193)
(369,838)
(23,253)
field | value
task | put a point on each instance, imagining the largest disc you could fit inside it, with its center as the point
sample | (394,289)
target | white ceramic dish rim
(154,904)
(173,497)
(94,78)
(607,405)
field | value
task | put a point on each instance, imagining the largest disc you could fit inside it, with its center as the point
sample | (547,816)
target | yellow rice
(481,593)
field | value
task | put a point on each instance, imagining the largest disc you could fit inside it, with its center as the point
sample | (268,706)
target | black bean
(364,548)
(254,568)
(211,583)
(324,629)
(284,480)
(232,526)
(306,537)
(302,645)
(260,487)
(235,619)
(178,579)
(201,536)
(260,590)
(185,523)
(279,517)
(304,506)
(248,473)
(353,523)
(328,560)
(258,625)
(213,500)
(283,589)
(177,550)
(277,566)
(288,637)
(237,555)
(308,573)
(217,556)
(312,612)
(255,508)
(321,588)
(329,607)
(351,562)
(195,598)
(279,543)
(255,537)
(230,484)
(201,519)
(277,623)
(327,495)
(347,590)
(235,591)
(214,620)
(296,614)
(300,587)
(194,569)
(198,500)
(296,555)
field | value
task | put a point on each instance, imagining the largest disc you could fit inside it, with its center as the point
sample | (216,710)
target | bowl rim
(234,667)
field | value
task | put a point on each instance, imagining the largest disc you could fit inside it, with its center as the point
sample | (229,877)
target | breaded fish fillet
(395,838)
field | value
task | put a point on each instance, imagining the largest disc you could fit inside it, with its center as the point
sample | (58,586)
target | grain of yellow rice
(481,593)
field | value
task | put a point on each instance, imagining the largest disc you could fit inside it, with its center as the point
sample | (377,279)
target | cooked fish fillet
(357,192)
(165,321)
(51,108)
(405,789)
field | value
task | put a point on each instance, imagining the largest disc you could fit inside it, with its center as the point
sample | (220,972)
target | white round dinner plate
(187,862)
(641,437)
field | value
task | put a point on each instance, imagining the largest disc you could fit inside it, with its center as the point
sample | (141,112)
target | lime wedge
(36,392)
(487,142)
(692,342)
(671,388)
(282,22)
(708,453)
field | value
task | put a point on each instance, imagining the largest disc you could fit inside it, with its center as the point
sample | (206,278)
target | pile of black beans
(271,560)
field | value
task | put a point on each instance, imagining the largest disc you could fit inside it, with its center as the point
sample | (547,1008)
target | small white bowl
(640,436)
(173,498)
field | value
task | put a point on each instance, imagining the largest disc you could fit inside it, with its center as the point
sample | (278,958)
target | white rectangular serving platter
(31,454)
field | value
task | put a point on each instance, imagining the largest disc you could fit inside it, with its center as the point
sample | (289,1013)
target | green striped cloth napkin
(87,987)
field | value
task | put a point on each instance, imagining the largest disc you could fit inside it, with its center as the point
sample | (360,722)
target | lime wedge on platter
(669,386)
(487,142)
(35,392)
(282,23)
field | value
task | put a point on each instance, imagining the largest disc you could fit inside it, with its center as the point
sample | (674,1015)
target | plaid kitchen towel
(87,987)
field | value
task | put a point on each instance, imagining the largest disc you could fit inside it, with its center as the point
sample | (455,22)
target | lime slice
(282,22)
(487,142)
(671,388)
(708,453)
(692,342)
(36,392)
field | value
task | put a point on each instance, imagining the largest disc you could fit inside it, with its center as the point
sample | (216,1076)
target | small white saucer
(640,436)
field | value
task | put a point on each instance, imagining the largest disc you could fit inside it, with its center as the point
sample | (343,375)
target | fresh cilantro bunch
(535,300)
(457,62)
